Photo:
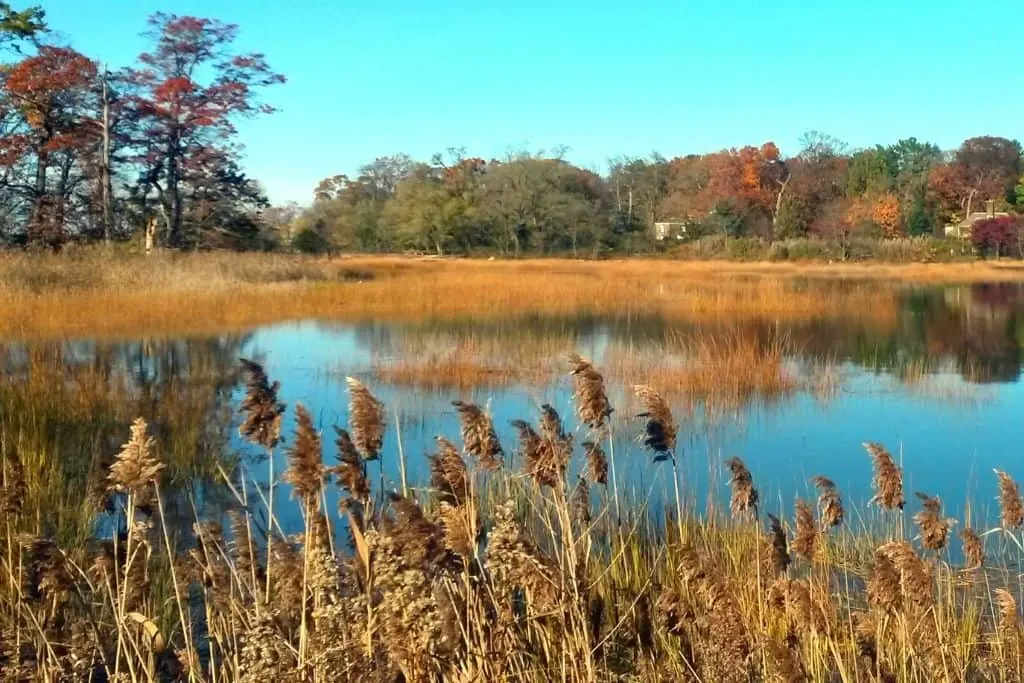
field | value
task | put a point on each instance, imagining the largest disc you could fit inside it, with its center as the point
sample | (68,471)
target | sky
(602,78)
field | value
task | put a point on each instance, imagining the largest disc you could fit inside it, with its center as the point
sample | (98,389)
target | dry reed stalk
(805,542)
(660,428)
(597,463)
(478,436)
(934,529)
(793,598)
(515,564)
(830,503)
(365,419)
(888,479)
(350,470)
(589,393)
(973,547)
(262,410)
(306,469)
(1009,621)
(744,495)
(777,553)
(13,489)
(1011,505)
(579,504)
(448,475)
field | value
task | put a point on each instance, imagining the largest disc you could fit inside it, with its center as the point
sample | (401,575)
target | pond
(933,373)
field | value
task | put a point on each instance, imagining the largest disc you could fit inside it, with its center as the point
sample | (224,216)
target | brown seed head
(660,429)
(1009,620)
(478,435)
(744,495)
(915,577)
(365,420)
(306,469)
(136,466)
(830,504)
(778,557)
(448,476)
(579,504)
(974,548)
(806,540)
(589,394)
(1010,503)
(934,529)
(262,410)
(597,463)
(888,479)
(884,584)
(350,469)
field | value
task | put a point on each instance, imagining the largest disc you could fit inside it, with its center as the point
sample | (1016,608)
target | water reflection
(66,407)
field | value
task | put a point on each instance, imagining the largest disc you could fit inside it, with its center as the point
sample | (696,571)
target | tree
(192,89)
(999,236)
(869,172)
(17,26)
(50,93)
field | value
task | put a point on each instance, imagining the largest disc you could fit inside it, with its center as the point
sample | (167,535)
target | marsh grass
(504,568)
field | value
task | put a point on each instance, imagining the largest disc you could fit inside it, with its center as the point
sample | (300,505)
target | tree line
(88,152)
(543,204)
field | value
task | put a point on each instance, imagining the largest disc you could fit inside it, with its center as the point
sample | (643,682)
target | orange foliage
(885,212)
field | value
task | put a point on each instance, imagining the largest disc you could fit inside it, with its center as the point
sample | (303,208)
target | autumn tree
(19,26)
(192,89)
(52,130)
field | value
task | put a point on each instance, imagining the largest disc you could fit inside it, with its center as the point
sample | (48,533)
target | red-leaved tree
(191,90)
(999,236)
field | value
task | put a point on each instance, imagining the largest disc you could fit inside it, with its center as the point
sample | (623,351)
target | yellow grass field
(93,294)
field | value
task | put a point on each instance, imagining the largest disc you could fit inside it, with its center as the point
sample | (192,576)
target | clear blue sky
(603,78)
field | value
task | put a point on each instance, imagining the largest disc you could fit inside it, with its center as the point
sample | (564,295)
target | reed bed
(167,294)
(506,565)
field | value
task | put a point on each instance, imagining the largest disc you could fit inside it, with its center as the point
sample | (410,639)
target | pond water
(937,382)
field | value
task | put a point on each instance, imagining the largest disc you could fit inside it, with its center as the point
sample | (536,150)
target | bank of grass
(503,567)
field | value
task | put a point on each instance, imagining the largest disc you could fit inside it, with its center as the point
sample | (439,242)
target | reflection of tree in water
(69,405)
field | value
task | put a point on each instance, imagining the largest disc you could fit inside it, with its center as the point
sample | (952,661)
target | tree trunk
(173,196)
(106,184)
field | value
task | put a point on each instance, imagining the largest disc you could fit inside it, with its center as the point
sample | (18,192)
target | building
(663,231)
(962,229)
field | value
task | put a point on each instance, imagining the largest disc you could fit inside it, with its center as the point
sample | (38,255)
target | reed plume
(306,469)
(262,410)
(350,470)
(744,495)
(883,585)
(135,466)
(546,455)
(597,463)
(448,476)
(14,489)
(579,503)
(778,553)
(1011,505)
(478,436)
(365,420)
(888,479)
(459,534)
(589,393)
(915,577)
(830,503)
(660,428)
(806,540)
(1009,620)
(933,528)
(973,547)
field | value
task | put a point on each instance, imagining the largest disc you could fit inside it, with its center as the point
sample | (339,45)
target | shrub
(309,241)
(1000,236)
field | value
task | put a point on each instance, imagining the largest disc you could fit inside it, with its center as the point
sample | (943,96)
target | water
(938,384)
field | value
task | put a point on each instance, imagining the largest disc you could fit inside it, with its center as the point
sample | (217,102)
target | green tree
(869,173)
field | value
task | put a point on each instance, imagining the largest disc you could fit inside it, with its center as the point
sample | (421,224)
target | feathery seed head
(1011,504)
(597,463)
(888,479)
(306,469)
(365,419)
(262,410)
(589,393)
(660,428)
(136,466)
(744,495)
(830,503)
(478,435)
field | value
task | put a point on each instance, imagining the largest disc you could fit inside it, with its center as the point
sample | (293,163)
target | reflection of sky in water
(949,446)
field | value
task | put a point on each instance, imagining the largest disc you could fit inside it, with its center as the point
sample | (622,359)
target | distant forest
(150,151)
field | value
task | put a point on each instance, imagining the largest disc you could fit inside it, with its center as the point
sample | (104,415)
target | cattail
(660,429)
(744,495)
(1010,503)
(589,394)
(306,468)
(830,504)
(915,578)
(350,470)
(884,584)
(365,420)
(478,435)
(934,529)
(579,503)
(597,463)
(135,467)
(806,540)
(888,479)
(262,410)
(778,558)
(974,548)
(448,474)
